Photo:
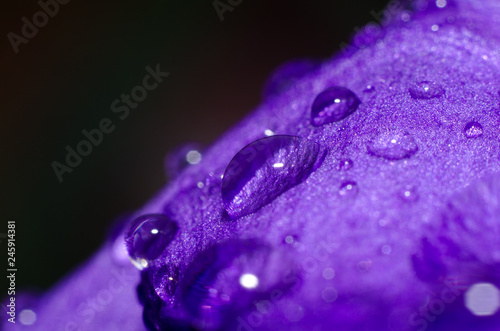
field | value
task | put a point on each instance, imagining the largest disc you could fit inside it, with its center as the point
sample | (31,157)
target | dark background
(65,79)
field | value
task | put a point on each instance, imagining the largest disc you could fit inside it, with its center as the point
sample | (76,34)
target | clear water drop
(409,193)
(264,169)
(426,90)
(345,164)
(393,145)
(181,157)
(333,105)
(165,281)
(473,130)
(148,236)
(223,281)
(348,189)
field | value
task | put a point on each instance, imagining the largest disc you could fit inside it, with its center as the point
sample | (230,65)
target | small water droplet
(386,249)
(426,90)
(369,89)
(435,27)
(365,265)
(348,189)
(473,130)
(441,3)
(328,273)
(148,236)
(345,164)
(182,157)
(165,281)
(409,193)
(287,75)
(27,317)
(393,145)
(264,169)
(333,105)
(329,294)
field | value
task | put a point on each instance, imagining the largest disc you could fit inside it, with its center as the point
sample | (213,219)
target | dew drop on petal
(148,236)
(27,317)
(329,294)
(473,130)
(409,193)
(345,164)
(333,105)
(426,90)
(165,281)
(264,169)
(483,299)
(348,189)
(393,145)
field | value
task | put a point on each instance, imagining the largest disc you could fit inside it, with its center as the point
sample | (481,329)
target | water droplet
(365,265)
(393,145)
(409,193)
(369,89)
(441,3)
(348,189)
(148,236)
(328,273)
(473,130)
(181,157)
(345,164)
(386,249)
(425,90)
(165,281)
(27,317)
(483,299)
(332,105)
(223,281)
(264,169)
(435,27)
(329,294)
(287,75)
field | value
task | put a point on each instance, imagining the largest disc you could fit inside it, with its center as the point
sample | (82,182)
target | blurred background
(66,77)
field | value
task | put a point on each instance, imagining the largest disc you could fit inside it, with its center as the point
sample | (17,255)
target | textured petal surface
(400,254)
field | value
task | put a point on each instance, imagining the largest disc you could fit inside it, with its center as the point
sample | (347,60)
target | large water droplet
(264,169)
(348,189)
(393,145)
(426,90)
(288,74)
(332,105)
(223,281)
(473,130)
(148,236)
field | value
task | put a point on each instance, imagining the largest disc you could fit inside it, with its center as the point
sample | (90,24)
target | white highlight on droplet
(27,317)
(435,27)
(278,165)
(249,281)
(482,299)
(269,133)
(193,157)
(154,231)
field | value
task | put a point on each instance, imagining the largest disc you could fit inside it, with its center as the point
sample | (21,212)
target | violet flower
(367,198)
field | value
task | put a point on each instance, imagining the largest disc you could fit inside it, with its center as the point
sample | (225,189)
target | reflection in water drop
(333,105)
(348,189)
(393,145)
(148,236)
(473,130)
(263,170)
(426,90)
